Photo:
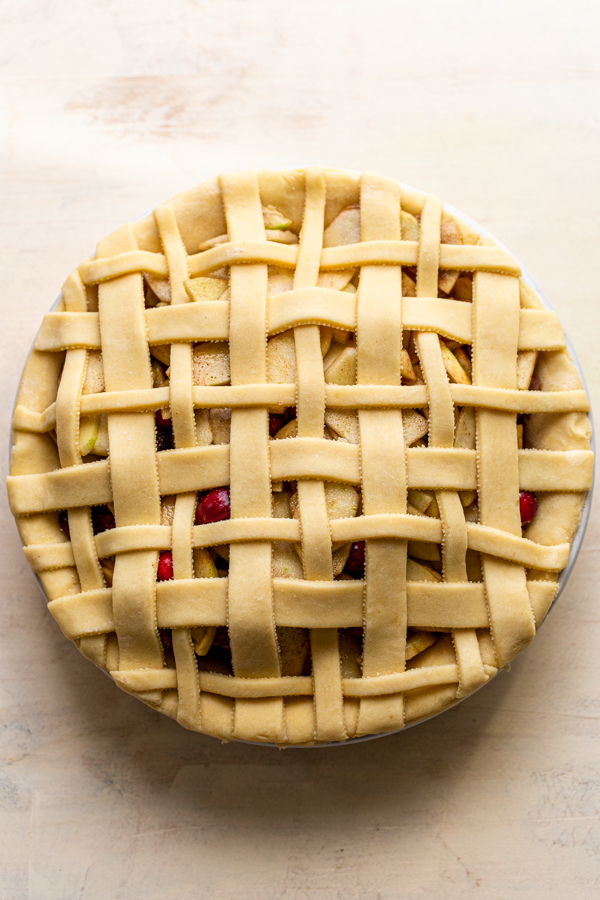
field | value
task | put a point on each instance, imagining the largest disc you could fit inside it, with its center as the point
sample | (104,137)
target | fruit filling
(211,367)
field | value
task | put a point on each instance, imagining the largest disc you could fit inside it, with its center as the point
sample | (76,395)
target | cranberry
(63,522)
(165,636)
(221,638)
(165,566)
(276,422)
(213,507)
(164,438)
(102,519)
(534,384)
(163,418)
(355,564)
(527,506)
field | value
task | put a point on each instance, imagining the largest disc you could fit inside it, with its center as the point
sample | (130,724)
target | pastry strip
(494,365)
(250,604)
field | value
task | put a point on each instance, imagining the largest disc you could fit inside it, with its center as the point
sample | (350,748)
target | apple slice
(468,235)
(464,359)
(281,237)
(345,228)
(204,435)
(167,510)
(101,442)
(335,281)
(281,506)
(472,513)
(199,289)
(335,348)
(281,359)
(93,382)
(213,242)
(220,423)
(465,432)
(88,432)
(339,558)
(418,572)
(450,233)
(108,569)
(159,286)
(409,287)
(275,219)
(344,424)
(454,369)
(467,498)
(342,369)
(326,336)
(425,550)
(294,650)
(285,562)
(211,363)
(463,289)
(341,500)
(526,361)
(279,280)
(421,500)
(288,431)
(202,638)
(433,511)
(162,352)
(159,378)
(408,371)
(417,642)
(204,566)
(414,425)
(411,229)
(350,649)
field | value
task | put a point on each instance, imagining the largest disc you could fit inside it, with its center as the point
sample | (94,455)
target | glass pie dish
(301,458)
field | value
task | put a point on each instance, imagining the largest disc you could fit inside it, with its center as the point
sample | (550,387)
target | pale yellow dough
(348,429)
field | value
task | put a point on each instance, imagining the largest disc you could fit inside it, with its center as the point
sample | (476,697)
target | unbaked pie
(299,457)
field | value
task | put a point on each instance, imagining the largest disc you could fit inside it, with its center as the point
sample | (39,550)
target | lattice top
(354,368)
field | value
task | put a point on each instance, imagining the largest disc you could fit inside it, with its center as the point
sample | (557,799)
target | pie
(299,457)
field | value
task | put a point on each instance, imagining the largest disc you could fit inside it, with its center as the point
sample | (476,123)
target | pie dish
(299,457)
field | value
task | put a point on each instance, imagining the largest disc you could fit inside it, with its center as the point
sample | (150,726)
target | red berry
(165,636)
(355,564)
(163,418)
(276,422)
(221,638)
(165,566)
(534,384)
(213,507)
(164,438)
(527,506)
(102,519)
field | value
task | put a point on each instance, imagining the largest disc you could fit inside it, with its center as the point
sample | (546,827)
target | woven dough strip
(480,625)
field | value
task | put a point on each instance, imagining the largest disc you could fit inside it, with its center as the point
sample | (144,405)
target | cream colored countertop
(109,108)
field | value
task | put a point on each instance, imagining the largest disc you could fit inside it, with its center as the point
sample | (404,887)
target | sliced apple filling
(211,367)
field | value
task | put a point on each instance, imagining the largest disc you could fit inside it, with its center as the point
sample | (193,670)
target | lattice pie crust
(398,349)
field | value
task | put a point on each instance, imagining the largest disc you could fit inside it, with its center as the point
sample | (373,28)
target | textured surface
(109,111)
